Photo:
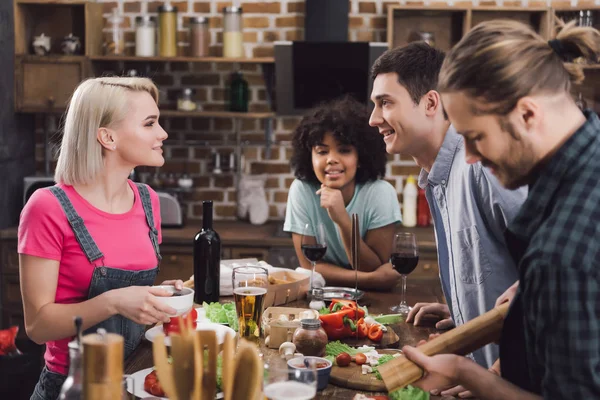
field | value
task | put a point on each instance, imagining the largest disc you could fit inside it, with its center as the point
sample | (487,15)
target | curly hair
(348,121)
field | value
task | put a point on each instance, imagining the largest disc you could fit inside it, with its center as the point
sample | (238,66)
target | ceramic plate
(203,325)
(138,386)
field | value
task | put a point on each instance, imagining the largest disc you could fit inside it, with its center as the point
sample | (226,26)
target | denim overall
(103,279)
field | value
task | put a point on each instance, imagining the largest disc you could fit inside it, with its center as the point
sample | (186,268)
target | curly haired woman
(339,161)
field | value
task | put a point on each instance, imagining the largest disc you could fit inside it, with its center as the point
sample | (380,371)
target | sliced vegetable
(337,347)
(324,311)
(375,333)
(360,359)
(389,319)
(362,329)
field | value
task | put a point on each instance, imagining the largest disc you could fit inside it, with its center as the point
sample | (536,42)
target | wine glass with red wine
(314,246)
(404,259)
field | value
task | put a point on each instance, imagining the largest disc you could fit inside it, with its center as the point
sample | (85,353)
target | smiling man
(470,208)
(507,90)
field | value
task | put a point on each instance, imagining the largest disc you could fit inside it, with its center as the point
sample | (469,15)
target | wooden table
(377,302)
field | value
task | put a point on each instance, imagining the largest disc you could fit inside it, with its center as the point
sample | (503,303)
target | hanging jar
(114,43)
(167,31)
(233,43)
(145,36)
(238,93)
(199,37)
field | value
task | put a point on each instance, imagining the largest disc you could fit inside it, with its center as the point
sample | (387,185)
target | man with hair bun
(507,91)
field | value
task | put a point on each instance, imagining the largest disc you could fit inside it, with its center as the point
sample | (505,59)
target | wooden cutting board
(390,340)
(351,377)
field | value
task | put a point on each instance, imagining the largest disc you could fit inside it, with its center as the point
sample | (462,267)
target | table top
(377,303)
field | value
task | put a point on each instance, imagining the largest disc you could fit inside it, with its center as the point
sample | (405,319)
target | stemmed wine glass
(314,246)
(404,259)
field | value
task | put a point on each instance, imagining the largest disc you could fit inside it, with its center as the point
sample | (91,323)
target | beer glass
(250,285)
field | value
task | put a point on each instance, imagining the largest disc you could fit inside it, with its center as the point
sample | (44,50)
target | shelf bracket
(268,136)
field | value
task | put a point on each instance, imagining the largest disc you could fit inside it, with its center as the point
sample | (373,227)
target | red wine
(404,263)
(207,259)
(314,252)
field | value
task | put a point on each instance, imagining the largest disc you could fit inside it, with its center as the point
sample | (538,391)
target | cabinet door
(46,83)
(177,263)
(249,252)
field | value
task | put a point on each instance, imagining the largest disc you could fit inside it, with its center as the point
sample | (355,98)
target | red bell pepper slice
(362,329)
(339,304)
(375,333)
(334,325)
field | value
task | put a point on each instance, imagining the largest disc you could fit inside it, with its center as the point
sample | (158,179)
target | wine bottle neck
(207,216)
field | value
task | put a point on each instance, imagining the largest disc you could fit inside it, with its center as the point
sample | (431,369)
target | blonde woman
(88,246)
(507,91)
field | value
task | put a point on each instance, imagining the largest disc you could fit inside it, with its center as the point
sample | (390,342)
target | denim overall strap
(147,204)
(92,252)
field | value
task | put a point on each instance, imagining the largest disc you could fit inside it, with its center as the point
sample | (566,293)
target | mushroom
(287,349)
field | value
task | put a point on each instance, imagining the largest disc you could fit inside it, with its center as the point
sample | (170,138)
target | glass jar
(233,41)
(114,43)
(145,36)
(238,93)
(167,31)
(185,102)
(199,37)
(310,339)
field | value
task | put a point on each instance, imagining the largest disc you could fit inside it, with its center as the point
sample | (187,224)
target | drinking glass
(314,247)
(404,258)
(284,383)
(250,284)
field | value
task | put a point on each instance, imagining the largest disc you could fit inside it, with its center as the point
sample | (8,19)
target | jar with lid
(233,43)
(114,43)
(167,30)
(310,339)
(145,36)
(185,102)
(199,37)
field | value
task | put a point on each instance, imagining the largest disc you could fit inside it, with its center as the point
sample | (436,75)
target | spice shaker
(115,40)
(310,339)
(145,36)
(102,365)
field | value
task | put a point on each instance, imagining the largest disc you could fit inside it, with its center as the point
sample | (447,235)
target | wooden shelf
(257,60)
(53,58)
(60,2)
(217,114)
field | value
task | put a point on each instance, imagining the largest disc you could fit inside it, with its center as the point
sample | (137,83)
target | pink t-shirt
(44,231)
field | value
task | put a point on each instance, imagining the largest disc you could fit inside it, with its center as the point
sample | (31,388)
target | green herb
(337,347)
(382,360)
(324,311)
(389,319)
(222,314)
(409,393)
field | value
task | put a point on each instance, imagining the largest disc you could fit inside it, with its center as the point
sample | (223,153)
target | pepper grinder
(102,366)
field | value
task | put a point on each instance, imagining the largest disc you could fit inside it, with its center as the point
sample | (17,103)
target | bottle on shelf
(409,202)
(167,30)
(233,38)
(145,36)
(423,213)
(238,93)
(115,37)
(207,258)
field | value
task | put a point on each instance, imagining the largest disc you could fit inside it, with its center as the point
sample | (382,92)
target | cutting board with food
(356,368)
(344,320)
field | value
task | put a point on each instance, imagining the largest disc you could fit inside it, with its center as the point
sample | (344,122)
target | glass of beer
(250,285)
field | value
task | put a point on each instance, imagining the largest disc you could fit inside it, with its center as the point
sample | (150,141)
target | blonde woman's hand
(178,283)
(141,305)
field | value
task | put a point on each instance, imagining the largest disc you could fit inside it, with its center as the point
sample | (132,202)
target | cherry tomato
(375,333)
(343,359)
(360,359)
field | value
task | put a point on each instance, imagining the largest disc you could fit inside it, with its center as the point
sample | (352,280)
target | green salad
(221,314)
(409,393)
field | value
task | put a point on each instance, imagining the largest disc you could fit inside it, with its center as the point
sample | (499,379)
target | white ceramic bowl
(182,302)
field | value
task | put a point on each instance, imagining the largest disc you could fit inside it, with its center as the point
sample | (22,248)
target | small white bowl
(182,302)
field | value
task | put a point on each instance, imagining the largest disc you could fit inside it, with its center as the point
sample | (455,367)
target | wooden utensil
(208,339)
(102,365)
(164,370)
(228,365)
(183,365)
(462,340)
(248,372)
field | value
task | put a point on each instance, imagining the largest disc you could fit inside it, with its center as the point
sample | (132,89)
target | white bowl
(183,302)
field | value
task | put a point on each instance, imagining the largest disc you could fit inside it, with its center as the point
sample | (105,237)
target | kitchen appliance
(171,215)
(33,183)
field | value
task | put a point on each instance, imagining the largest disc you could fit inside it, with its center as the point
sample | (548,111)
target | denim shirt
(470,212)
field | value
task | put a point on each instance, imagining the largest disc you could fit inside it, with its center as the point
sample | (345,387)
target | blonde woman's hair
(499,62)
(96,103)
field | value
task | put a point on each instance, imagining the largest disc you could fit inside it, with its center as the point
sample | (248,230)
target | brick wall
(191,140)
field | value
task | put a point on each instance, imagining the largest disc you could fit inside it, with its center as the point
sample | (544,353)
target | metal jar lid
(145,18)
(232,10)
(199,20)
(310,324)
(167,8)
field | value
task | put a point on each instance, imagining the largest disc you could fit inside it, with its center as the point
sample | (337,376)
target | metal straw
(355,249)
